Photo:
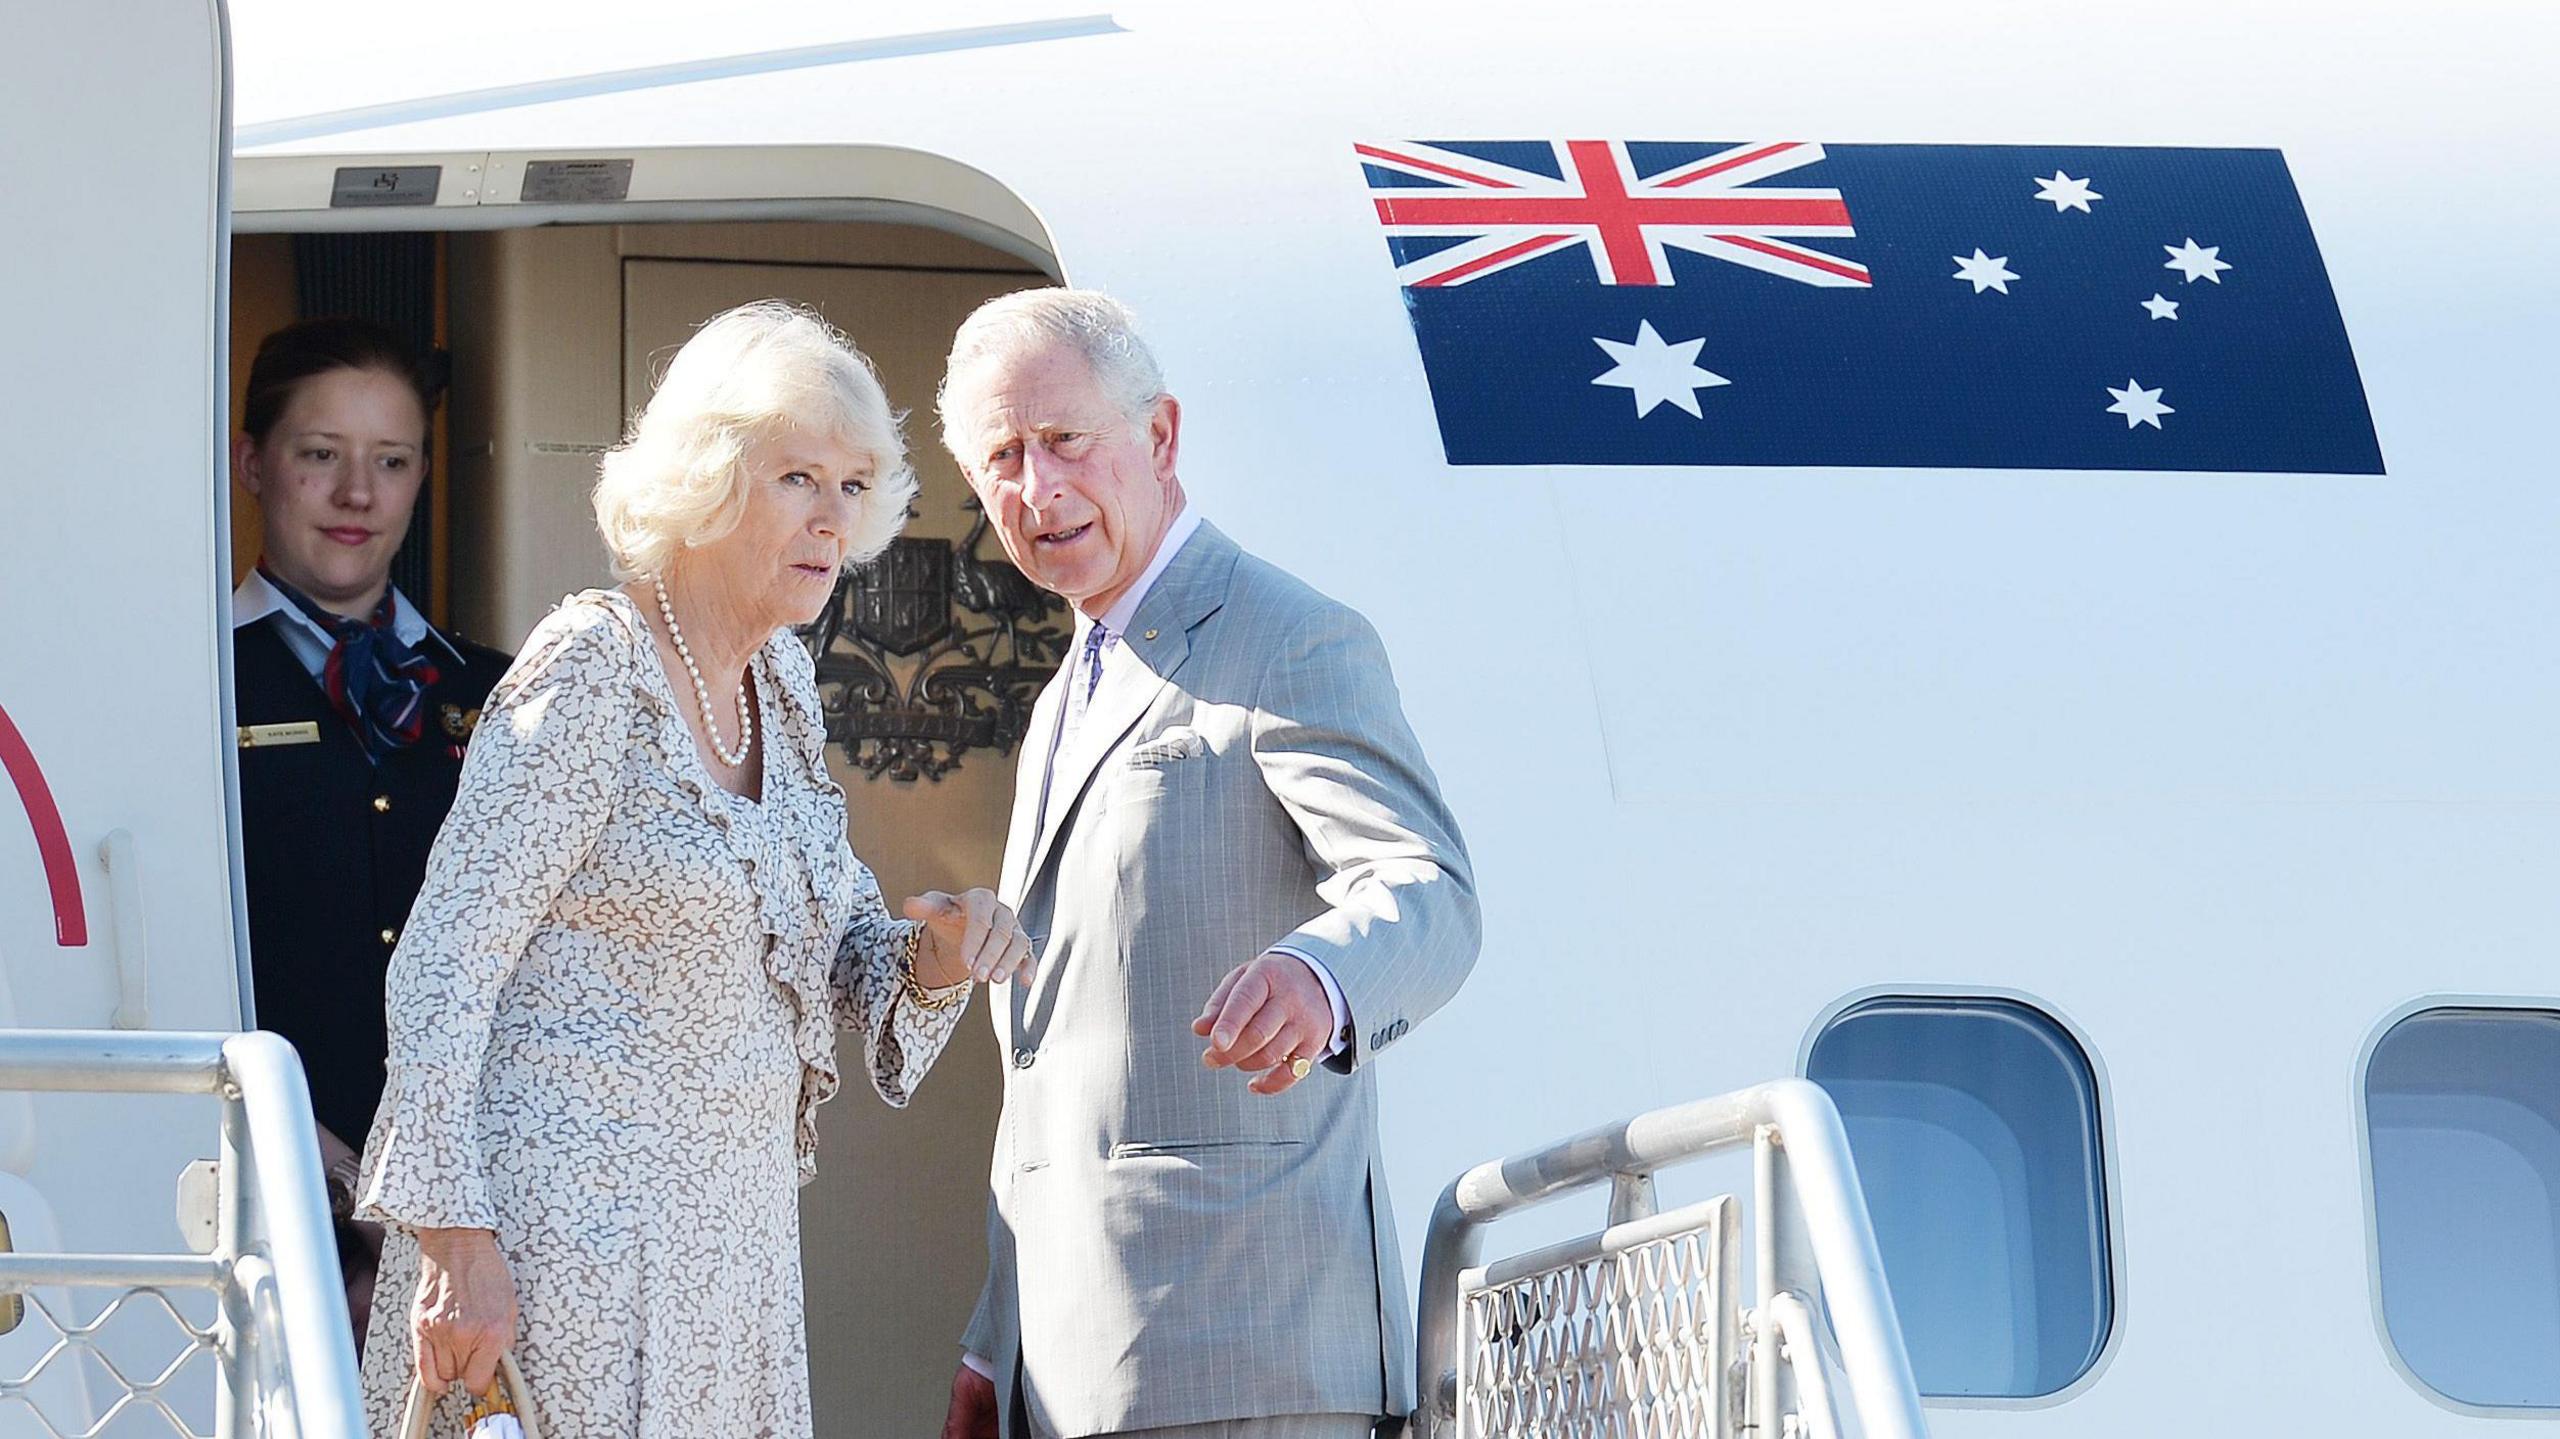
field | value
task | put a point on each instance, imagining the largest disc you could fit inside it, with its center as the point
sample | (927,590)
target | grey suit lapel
(1028,772)
(1189,591)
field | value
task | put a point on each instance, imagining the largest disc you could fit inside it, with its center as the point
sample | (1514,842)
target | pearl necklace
(702,692)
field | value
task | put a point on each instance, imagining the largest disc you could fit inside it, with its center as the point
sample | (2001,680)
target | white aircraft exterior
(2234,796)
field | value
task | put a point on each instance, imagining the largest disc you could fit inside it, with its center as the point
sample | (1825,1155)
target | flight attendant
(353,715)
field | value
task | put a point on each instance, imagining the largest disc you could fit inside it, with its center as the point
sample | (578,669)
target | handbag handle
(419,1407)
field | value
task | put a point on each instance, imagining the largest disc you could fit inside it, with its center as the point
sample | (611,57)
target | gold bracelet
(924,998)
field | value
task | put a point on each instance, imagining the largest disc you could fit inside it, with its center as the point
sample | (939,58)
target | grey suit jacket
(1167,1248)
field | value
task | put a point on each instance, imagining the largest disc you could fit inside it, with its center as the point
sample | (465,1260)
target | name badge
(259,736)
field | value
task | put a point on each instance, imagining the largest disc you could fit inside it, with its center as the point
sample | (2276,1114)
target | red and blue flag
(1611,302)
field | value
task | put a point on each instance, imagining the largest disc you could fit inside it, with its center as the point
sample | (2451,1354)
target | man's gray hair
(1092,323)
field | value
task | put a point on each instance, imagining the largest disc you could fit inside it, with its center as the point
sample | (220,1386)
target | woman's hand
(466,1311)
(968,936)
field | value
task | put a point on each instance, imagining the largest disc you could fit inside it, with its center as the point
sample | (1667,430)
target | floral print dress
(612,1013)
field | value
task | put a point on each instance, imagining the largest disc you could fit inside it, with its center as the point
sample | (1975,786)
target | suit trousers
(1270,1426)
(1276,1426)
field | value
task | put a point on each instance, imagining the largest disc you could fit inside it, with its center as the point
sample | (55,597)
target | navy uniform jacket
(335,847)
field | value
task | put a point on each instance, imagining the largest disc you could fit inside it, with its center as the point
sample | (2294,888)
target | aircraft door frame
(486,191)
(120,524)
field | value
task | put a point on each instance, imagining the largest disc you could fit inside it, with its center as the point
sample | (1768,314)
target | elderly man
(1223,831)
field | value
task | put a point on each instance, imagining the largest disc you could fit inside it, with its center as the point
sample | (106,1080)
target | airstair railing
(283,1356)
(1638,1330)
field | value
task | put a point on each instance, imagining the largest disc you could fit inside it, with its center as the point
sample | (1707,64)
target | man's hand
(972,935)
(466,1310)
(1263,1015)
(973,1406)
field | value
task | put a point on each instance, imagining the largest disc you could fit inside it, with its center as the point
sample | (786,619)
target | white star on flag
(2196,262)
(2138,405)
(1657,372)
(2066,193)
(1987,272)
(2161,309)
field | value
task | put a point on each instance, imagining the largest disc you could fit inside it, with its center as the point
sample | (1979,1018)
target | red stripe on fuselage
(1482,263)
(53,845)
(1630,262)
(1617,215)
(1734,162)
(1811,262)
(1452,172)
(1439,207)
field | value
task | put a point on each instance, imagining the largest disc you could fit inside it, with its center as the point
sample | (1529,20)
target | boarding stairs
(114,1346)
(1638,1331)
(1646,1329)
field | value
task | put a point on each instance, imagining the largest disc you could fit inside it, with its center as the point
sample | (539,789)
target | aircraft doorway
(555,335)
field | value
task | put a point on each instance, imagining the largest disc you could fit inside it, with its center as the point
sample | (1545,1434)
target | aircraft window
(2462,1123)
(1975,1124)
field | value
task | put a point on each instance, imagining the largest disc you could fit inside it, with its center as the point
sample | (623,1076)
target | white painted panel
(113,649)
(111,664)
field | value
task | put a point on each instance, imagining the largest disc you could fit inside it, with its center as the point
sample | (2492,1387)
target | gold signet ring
(1300,1067)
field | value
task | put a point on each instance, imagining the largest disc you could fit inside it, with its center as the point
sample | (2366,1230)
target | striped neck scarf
(376,682)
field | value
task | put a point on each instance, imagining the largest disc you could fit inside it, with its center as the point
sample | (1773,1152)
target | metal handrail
(1616,1239)
(1792,1318)
(274,1259)
(1821,1244)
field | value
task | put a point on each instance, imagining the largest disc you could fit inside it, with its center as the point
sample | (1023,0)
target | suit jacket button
(382,804)
(1023,1057)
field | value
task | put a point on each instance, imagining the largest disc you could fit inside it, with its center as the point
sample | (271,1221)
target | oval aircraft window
(1975,1124)
(2462,1124)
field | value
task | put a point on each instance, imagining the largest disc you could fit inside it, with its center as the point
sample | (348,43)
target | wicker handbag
(507,1396)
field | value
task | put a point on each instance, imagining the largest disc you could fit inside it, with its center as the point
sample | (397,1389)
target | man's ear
(1164,435)
(244,463)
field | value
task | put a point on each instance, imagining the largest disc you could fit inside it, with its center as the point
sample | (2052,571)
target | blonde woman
(616,1003)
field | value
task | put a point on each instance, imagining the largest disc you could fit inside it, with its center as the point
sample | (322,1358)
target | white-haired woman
(616,1002)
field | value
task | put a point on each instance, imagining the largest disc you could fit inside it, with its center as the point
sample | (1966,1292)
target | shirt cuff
(1341,1030)
(971,1360)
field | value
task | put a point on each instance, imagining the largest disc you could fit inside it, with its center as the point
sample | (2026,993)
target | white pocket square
(1168,748)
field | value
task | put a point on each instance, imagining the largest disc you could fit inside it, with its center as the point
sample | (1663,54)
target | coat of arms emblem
(902,600)
(930,651)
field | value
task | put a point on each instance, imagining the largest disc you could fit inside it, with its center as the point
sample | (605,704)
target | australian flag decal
(1607,302)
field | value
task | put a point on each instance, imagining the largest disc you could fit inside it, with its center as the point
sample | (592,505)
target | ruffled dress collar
(791,842)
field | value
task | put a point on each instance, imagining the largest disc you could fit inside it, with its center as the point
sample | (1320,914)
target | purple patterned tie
(1078,696)
(1094,640)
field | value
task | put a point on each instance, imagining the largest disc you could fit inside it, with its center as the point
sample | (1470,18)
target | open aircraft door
(117,896)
